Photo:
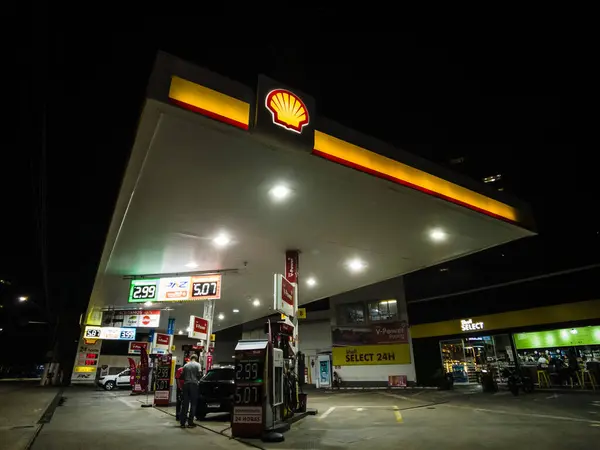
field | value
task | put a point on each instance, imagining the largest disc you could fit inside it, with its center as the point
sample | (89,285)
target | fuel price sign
(176,289)
(206,287)
(143,290)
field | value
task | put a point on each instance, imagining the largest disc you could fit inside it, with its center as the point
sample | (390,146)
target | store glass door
(454,360)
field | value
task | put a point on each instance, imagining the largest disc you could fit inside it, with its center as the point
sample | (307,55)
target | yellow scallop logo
(287,109)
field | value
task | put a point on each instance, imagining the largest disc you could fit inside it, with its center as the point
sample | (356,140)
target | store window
(383,310)
(351,313)
(467,358)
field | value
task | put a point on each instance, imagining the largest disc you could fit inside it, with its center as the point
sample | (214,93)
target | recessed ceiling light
(191,265)
(356,265)
(438,235)
(148,303)
(280,192)
(311,281)
(188,329)
(221,316)
(180,332)
(256,302)
(236,310)
(222,240)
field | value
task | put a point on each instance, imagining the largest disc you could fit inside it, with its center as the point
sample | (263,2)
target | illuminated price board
(206,287)
(176,289)
(143,290)
(92,332)
(117,334)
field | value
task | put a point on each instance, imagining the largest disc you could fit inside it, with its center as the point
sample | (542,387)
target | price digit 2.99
(246,371)
(140,292)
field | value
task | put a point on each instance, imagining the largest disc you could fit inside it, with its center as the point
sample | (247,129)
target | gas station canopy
(223,179)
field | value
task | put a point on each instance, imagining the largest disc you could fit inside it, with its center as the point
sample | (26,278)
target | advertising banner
(144,370)
(397,381)
(198,328)
(389,333)
(135,347)
(371,355)
(171,326)
(132,372)
(285,296)
(138,318)
(117,333)
(324,379)
(291,266)
(176,289)
(558,338)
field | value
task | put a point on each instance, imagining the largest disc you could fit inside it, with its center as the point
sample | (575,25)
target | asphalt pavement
(22,408)
(459,419)
(354,419)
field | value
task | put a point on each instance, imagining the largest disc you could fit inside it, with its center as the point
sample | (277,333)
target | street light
(23,299)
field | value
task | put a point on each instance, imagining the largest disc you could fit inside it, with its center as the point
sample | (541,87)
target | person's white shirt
(543,362)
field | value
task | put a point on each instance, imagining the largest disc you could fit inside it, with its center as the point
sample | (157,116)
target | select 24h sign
(371,355)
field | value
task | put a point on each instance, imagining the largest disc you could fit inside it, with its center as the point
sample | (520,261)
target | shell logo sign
(287,109)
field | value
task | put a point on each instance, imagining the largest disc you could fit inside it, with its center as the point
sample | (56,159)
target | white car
(109,382)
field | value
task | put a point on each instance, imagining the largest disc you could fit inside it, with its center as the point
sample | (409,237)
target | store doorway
(467,357)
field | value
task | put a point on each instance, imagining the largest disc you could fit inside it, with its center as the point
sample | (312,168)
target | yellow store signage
(85,369)
(371,355)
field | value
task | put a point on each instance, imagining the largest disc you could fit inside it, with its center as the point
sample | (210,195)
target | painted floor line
(398,415)
(326,413)
(541,416)
(125,402)
(401,397)
(367,406)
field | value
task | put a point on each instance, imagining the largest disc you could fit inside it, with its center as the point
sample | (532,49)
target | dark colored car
(216,391)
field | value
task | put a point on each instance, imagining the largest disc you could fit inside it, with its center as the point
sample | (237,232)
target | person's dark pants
(190,400)
(178,403)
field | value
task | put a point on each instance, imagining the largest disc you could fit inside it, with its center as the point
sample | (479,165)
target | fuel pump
(281,339)
(266,387)
(251,400)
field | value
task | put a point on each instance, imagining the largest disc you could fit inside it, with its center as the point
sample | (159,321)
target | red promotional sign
(198,328)
(291,266)
(135,347)
(284,296)
(144,369)
(287,292)
(132,372)
(200,325)
(163,339)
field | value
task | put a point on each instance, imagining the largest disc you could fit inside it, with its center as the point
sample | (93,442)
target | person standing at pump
(192,372)
(179,381)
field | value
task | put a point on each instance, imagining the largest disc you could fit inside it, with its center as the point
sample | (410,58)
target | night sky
(507,102)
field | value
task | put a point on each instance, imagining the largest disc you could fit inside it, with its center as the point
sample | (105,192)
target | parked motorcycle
(517,381)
